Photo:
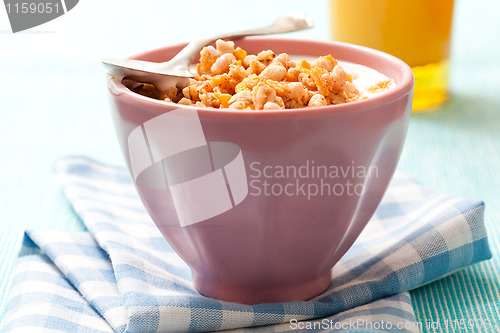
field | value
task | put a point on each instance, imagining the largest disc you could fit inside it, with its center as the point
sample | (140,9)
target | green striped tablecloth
(53,103)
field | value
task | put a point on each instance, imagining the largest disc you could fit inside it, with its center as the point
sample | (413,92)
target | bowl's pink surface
(275,248)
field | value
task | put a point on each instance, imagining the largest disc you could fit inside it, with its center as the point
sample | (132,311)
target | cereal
(228,77)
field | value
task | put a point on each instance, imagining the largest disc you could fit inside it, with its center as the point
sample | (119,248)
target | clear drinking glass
(416,31)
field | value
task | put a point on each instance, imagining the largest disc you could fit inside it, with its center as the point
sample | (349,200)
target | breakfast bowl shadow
(262,204)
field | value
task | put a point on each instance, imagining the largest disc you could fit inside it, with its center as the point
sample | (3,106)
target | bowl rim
(402,88)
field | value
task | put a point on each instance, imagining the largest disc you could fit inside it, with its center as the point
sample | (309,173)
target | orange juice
(416,31)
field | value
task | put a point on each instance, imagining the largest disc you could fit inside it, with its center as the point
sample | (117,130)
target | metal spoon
(175,72)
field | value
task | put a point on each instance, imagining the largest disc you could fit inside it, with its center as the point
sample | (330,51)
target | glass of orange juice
(416,31)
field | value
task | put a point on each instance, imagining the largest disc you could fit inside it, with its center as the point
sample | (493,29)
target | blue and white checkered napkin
(123,276)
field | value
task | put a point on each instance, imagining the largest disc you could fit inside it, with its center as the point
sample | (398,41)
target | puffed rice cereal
(228,77)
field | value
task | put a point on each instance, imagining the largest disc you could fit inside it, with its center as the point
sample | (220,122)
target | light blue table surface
(53,103)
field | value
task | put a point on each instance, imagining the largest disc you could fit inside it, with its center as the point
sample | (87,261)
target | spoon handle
(289,23)
(177,69)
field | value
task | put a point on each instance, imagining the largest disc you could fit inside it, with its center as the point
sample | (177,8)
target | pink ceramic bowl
(262,204)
